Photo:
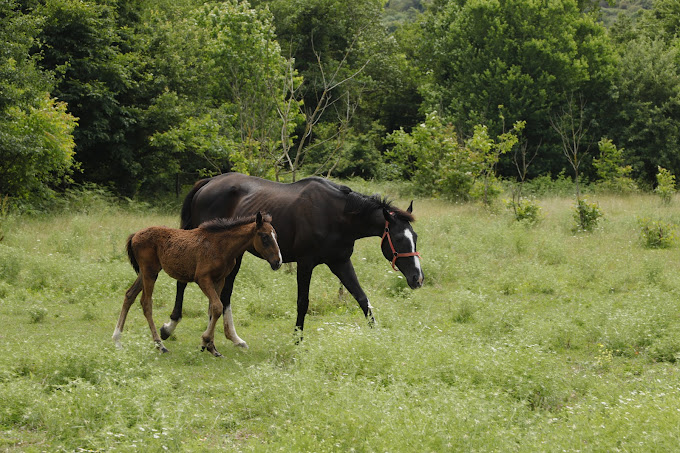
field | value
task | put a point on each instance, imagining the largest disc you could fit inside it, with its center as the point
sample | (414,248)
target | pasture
(522,339)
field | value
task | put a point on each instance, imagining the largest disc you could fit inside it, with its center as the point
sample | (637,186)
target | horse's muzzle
(416,282)
(276,265)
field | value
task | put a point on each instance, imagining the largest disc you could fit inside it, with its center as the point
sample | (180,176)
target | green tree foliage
(614,175)
(344,43)
(248,74)
(36,145)
(432,156)
(649,99)
(530,56)
(665,184)
(88,50)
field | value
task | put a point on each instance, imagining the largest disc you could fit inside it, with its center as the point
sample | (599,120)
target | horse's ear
(387,215)
(258,219)
(410,207)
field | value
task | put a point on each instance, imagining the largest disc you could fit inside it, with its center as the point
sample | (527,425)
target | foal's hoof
(161,347)
(242,345)
(211,349)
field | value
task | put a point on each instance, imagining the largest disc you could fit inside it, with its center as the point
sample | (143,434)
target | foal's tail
(131,254)
(185,217)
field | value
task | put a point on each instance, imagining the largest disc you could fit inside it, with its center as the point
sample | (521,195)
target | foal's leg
(130,296)
(147,307)
(208,337)
(225,296)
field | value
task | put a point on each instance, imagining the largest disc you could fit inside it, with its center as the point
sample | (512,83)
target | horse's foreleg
(169,327)
(225,297)
(304,276)
(208,337)
(130,296)
(147,307)
(344,270)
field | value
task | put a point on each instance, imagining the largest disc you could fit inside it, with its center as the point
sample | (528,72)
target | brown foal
(205,255)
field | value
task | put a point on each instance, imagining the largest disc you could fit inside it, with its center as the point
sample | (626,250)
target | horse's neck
(372,224)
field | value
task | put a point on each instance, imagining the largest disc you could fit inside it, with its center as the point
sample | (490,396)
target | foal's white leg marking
(409,236)
(230,331)
(170,326)
(116,337)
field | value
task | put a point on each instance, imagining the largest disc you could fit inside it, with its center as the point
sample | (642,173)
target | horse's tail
(131,254)
(185,217)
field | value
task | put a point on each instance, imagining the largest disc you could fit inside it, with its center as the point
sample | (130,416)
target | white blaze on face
(409,236)
(277,242)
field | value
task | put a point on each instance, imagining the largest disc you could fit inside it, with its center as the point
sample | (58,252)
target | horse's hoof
(217,354)
(242,344)
(164,333)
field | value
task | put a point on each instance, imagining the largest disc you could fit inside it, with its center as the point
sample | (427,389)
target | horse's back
(302,212)
(234,194)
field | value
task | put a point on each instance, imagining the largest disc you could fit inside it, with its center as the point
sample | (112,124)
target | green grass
(523,339)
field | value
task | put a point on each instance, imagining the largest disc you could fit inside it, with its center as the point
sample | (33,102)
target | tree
(649,106)
(527,55)
(36,142)
(572,127)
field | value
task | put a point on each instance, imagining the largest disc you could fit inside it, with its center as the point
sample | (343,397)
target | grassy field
(522,339)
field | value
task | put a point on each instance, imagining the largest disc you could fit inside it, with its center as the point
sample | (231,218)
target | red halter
(395,255)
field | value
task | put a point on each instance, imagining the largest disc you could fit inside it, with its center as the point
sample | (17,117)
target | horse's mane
(224,224)
(363,205)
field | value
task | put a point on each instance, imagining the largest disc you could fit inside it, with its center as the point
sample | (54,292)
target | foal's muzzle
(276,265)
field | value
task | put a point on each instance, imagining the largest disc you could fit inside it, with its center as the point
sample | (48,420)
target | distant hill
(628,7)
(400,11)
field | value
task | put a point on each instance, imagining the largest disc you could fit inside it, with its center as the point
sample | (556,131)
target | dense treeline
(140,95)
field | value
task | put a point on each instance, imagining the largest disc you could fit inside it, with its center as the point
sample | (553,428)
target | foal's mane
(224,224)
(363,205)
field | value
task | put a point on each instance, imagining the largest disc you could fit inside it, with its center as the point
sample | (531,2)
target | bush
(614,176)
(665,185)
(587,215)
(525,210)
(657,234)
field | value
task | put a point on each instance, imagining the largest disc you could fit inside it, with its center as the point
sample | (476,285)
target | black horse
(316,221)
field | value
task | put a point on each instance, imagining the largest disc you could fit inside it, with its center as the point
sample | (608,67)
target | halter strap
(395,254)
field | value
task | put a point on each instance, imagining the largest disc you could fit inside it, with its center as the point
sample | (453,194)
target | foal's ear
(258,219)
(410,207)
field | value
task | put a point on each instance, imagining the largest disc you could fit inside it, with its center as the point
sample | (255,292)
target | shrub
(614,176)
(37,314)
(665,185)
(587,215)
(657,234)
(525,210)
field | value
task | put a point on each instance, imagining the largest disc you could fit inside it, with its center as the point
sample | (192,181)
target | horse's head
(265,241)
(399,247)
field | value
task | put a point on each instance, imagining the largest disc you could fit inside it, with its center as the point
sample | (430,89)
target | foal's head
(265,241)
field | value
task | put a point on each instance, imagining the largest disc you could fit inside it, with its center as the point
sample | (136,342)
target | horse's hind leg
(176,316)
(225,296)
(148,282)
(130,296)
